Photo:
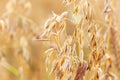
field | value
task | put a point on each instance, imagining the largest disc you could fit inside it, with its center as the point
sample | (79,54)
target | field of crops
(59,40)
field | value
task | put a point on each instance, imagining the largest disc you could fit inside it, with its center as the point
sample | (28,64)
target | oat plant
(84,54)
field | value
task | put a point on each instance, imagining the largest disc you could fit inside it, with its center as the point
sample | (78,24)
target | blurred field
(35,69)
(22,58)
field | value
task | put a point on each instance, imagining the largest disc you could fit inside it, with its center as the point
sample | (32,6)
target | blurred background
(38,12)
(22,58)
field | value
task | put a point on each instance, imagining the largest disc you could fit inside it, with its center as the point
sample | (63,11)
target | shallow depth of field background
(35,68)
(41,10)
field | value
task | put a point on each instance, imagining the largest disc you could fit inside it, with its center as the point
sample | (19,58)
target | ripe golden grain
(83,53)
